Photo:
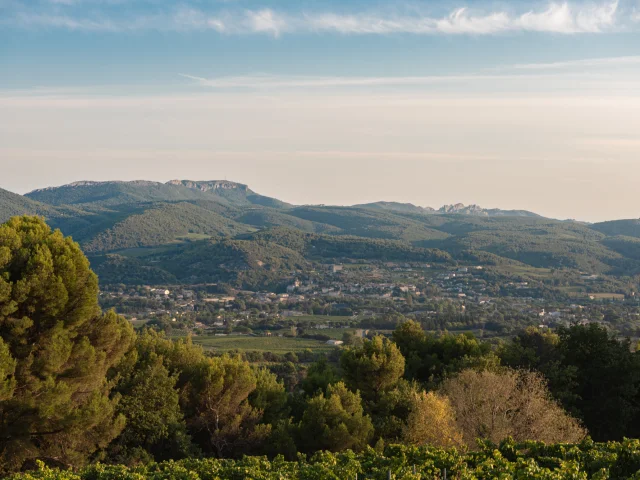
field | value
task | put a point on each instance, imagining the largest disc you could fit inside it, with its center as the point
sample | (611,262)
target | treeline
(79,386)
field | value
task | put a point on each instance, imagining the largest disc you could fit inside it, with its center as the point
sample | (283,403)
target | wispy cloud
(563,18)
(263,81)
(588,62)
(543,75)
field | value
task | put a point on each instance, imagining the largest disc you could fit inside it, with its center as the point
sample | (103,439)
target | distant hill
(461,209)
(373,223)
(628,228)
(244,263)
(235,193)
(185,230)
(257,260)
(397,207)
(458,208)
(12,204)
(267,218)
(164,224)
(109,194)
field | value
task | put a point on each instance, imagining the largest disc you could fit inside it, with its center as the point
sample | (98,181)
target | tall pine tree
(55,350)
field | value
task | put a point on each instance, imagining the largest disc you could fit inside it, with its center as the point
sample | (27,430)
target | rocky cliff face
(206,186)
(462,209)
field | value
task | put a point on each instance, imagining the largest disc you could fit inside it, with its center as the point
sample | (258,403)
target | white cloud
(265,21)
(66,22)
(562,18)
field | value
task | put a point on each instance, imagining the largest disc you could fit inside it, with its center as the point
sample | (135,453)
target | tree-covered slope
(242,262)
(397,207)
(338,247)
(115,216)
(628,228)
(232,192)
(164,224)
(533,241)
(364,222)
(12,204)
(268,218)
(109,194)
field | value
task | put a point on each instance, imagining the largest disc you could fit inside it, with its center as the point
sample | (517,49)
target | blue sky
(275,93)
(148,42)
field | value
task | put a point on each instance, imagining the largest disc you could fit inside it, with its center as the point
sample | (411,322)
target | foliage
(56,348)
(496,405)
(594,375)
(431,358)
(334,421)
(431,421)
(155,428)
(372,368)
(526,460)
(163,224)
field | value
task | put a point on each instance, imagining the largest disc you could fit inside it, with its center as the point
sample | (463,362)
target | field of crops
(530,460)
(273,344)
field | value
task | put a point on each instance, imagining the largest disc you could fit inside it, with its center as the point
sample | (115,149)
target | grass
(613,296)
(524,270)
(597,296)
(266,344)
(323,318)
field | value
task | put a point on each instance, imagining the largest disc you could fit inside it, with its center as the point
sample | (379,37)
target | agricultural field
(596,296)
(275,344)
(529,460)
(322,318)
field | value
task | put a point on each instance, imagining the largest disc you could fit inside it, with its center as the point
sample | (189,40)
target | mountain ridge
(146,231)
(235,193)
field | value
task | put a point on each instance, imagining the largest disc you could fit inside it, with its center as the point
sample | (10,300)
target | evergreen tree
(155,428)
(335,421)
(373,368)
(56,349)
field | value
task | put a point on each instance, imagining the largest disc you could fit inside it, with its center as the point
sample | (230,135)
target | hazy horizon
(530,105)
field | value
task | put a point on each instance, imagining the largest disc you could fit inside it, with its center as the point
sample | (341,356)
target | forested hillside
(151,226)
(12,204)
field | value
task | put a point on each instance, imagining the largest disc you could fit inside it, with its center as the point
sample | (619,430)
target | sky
(513,104)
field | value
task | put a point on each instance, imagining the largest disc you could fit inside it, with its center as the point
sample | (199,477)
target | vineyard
(509,460)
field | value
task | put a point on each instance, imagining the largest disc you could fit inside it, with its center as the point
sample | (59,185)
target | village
(361,298)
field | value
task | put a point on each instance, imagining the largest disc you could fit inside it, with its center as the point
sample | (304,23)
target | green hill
(112,193)
(109,194)
(241,262)
(628,228)
(364,222)
(338,247)
(268,218)
(164,224)
(185,224)
(397,207)
(232,192)
(12,204)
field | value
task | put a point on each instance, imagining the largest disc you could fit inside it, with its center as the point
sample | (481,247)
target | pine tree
(55,350)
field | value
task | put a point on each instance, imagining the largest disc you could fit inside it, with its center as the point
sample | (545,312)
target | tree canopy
(56,350)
